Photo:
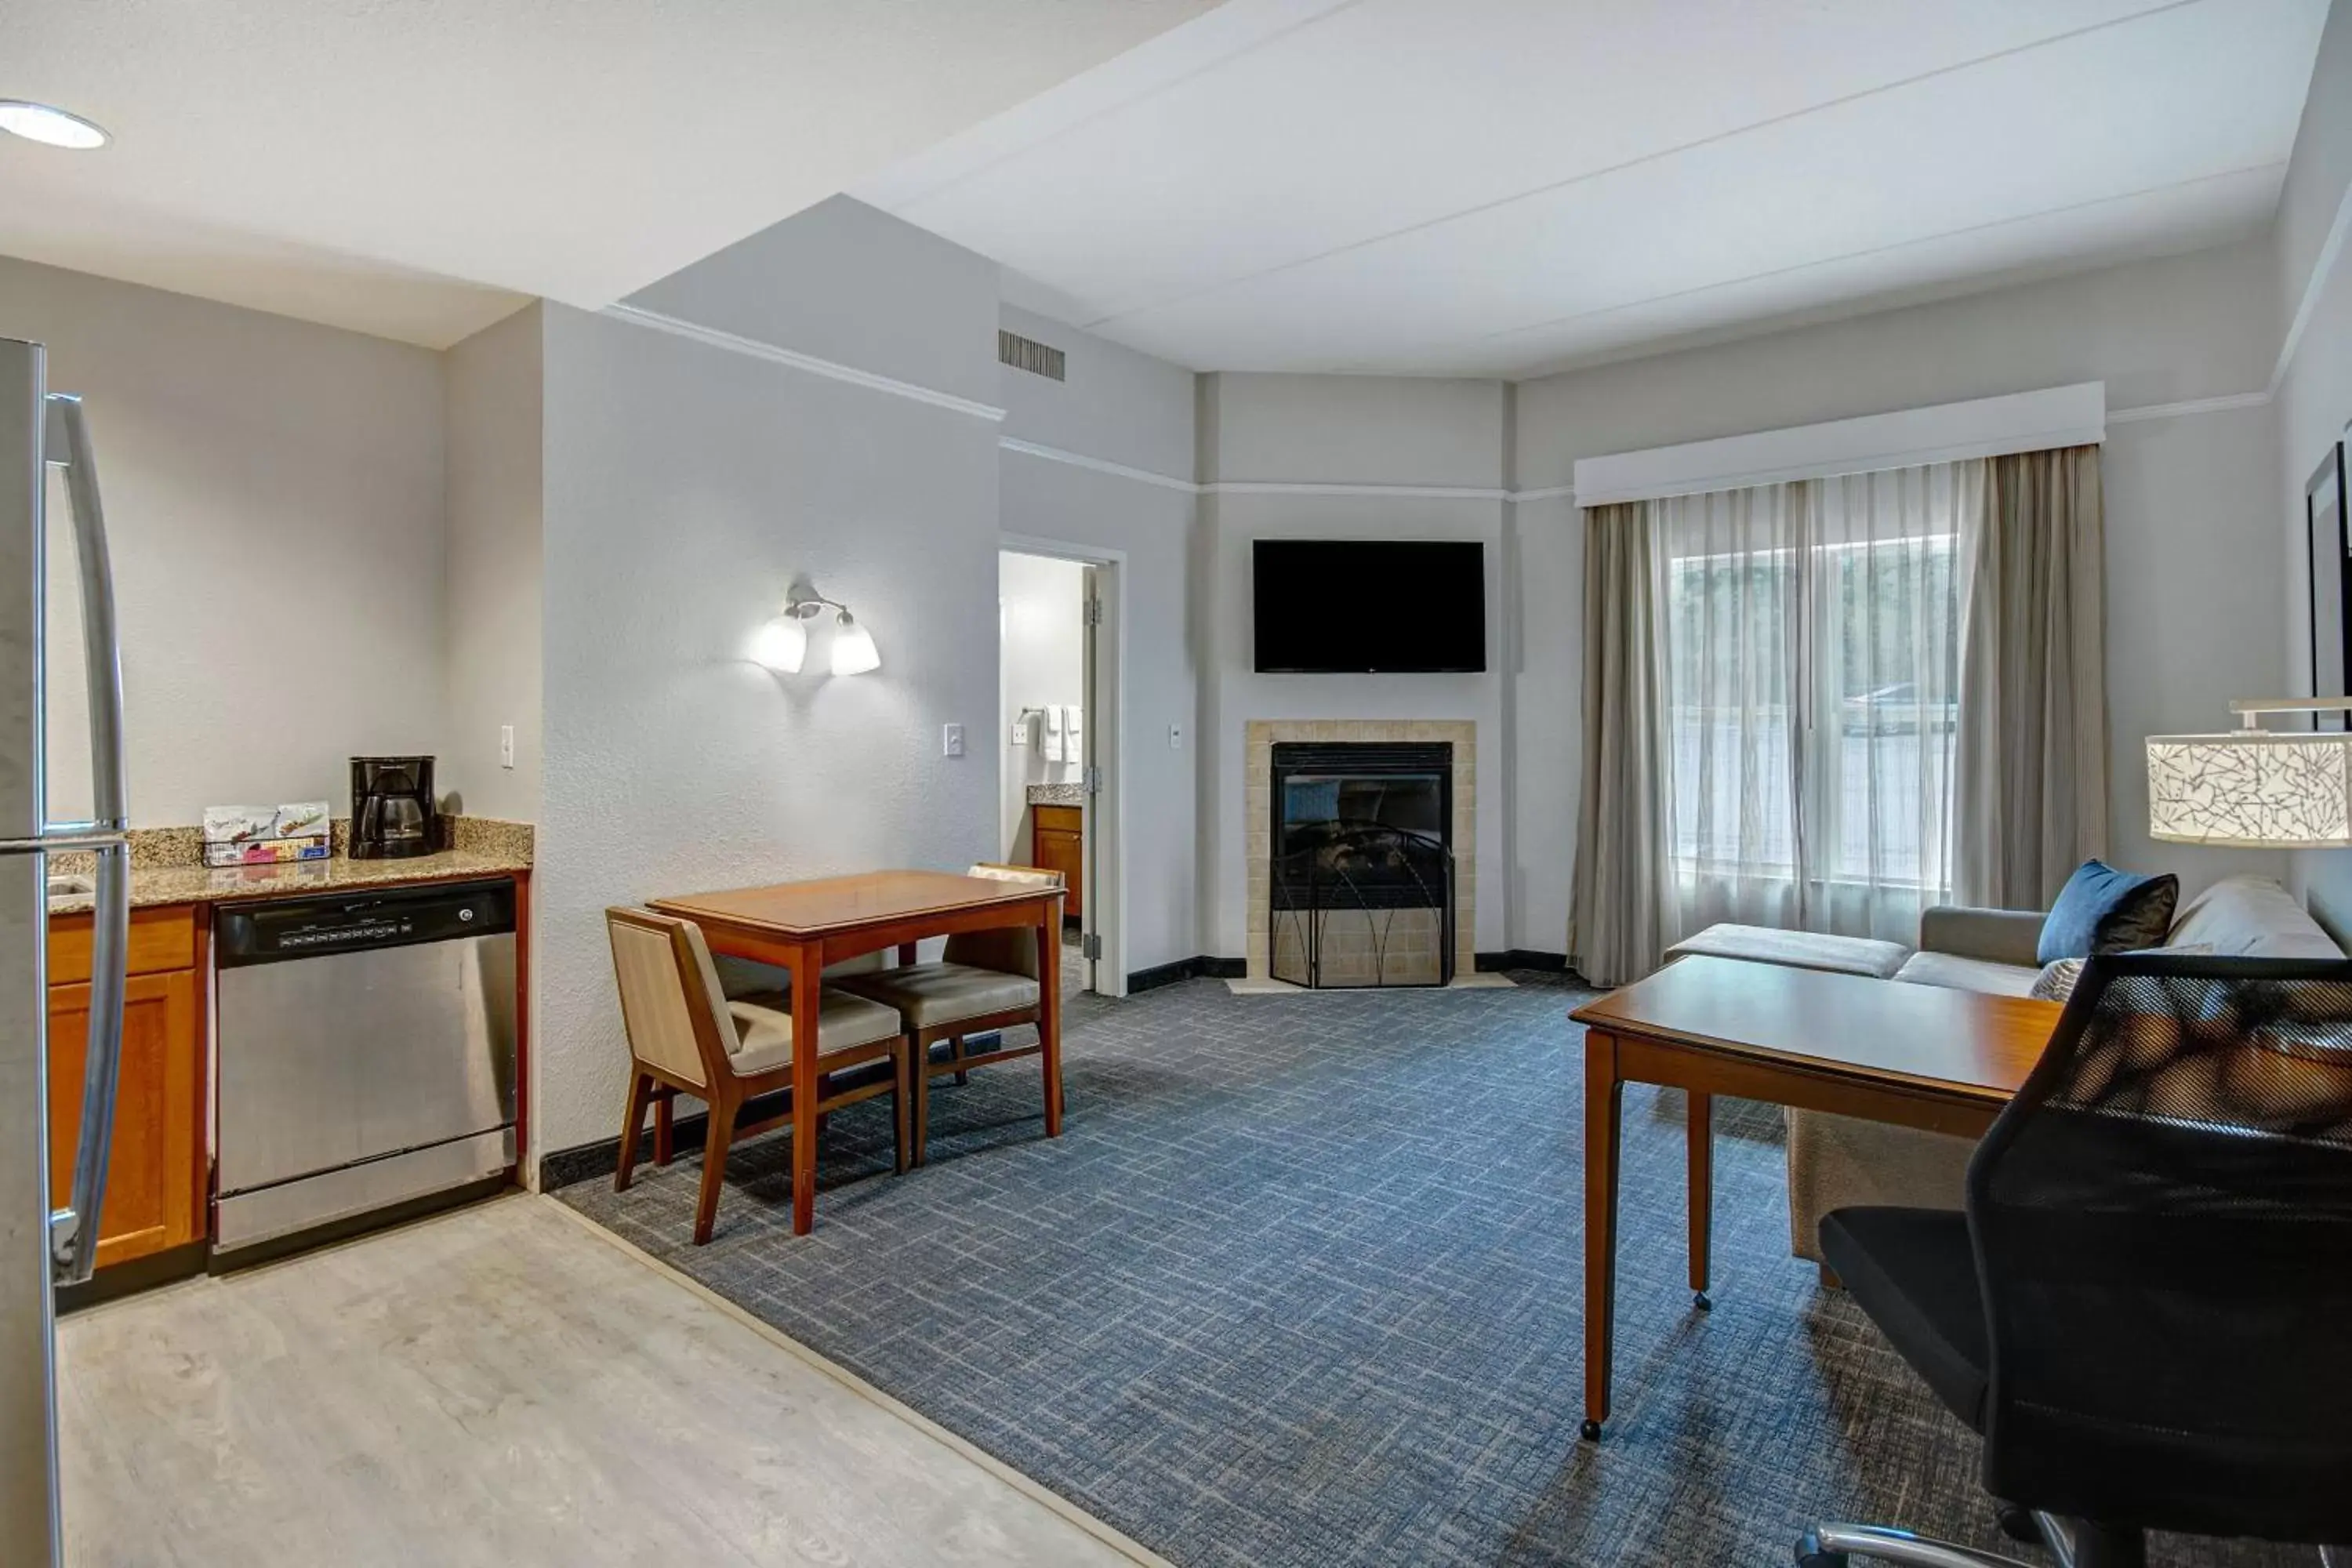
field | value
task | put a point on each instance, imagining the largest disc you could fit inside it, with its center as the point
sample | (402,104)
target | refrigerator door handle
(68,432)
(73,1231)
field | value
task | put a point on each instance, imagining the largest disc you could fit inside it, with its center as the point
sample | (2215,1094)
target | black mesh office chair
(2147,1309)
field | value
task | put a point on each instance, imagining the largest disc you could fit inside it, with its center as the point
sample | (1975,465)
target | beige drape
(1618,919)
(2031,768)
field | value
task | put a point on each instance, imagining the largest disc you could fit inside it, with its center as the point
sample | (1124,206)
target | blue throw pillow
(2102,910)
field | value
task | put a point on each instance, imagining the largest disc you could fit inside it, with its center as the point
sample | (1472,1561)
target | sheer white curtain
(1810,636)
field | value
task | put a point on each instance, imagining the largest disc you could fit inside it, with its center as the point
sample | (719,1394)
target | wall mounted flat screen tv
(1370,605)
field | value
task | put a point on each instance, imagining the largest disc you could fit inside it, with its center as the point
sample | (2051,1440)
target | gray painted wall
(274,493)
(685,487)
(1344,430)
(495,482)
(2314,390)
(847,283)
(1120,406)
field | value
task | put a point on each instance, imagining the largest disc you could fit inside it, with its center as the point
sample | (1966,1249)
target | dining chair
(688,1037)
(986,980)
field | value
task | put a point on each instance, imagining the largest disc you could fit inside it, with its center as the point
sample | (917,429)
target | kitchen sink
(68,885)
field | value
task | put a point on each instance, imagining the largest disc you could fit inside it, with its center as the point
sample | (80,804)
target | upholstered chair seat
(927,995)
(763,1026)
(985,980)
(687,1035)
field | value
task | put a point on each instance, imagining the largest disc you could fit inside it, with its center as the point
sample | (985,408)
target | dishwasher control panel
(276,929)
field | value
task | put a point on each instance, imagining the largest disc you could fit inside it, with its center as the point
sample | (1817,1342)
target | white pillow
(2057,981)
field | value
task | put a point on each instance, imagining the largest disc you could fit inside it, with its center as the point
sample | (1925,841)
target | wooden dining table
(801,927)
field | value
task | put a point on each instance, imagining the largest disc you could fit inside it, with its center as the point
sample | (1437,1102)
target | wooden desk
(801,927)
(1919,1055)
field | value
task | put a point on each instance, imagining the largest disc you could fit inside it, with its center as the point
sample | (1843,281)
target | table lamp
(2252,786)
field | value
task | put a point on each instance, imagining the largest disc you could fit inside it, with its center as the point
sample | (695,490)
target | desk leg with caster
(1699,1117)
(1604,1100)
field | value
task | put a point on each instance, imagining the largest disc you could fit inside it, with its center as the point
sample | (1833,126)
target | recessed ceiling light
(53,127)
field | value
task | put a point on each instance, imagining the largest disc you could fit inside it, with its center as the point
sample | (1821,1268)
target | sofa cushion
(1795,950)
(2057,981)
(2102,910)
(2251,917)
(1957,973)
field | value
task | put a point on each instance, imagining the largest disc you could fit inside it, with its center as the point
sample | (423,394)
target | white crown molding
(754,348)
(1260,487)
(2223,404)
(1096,465)
(1406,492)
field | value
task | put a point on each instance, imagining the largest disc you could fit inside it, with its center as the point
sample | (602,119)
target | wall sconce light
(783,643)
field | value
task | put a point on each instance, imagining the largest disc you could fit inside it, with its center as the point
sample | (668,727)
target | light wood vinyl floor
(502,1385)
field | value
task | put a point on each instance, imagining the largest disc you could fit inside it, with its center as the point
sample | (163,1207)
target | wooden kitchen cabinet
(1059,843)
(156,1175)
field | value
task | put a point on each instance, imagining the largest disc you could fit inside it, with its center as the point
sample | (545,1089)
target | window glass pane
(1896,681)
(1812,640)
(1734,800)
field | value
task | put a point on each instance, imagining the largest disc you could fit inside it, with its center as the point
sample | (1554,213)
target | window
(1811,636)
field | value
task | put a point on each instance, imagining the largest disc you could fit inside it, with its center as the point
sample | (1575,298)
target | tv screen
(1375,605)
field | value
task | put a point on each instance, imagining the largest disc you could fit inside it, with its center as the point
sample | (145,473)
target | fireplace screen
(1362,865)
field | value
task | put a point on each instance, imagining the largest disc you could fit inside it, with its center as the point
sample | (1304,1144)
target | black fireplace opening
(1361,837)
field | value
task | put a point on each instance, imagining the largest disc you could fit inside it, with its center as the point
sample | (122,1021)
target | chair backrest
(1011,951)
(2163,1228)
(671,1000)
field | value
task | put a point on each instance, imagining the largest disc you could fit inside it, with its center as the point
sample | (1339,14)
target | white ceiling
(413,169)
(1504,186)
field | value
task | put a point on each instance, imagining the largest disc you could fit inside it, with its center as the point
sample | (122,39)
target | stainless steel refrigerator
(44,450)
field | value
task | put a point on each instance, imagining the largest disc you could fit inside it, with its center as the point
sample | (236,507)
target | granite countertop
(166,868)
(1057,794)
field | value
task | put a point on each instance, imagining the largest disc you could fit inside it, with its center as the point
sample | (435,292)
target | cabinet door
(1065,853)
(154,1189)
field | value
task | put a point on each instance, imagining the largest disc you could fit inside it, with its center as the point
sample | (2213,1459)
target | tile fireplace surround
(1260,736)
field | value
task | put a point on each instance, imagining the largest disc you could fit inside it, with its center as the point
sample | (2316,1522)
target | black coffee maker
(392,813)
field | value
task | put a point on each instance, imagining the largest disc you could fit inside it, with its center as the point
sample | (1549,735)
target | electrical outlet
(952,741)
(1175,737)
(506,745)
(1020,735)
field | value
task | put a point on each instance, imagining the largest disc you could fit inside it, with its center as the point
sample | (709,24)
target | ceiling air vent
(1028,353)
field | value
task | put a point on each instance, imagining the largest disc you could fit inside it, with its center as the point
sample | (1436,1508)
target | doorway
(1055,736)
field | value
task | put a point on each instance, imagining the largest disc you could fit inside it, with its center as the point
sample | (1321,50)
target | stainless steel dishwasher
(367,1054)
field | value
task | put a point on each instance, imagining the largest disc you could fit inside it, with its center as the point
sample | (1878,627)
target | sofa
(1836,1160)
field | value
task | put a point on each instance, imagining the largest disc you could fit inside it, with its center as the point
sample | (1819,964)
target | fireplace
(1360,887)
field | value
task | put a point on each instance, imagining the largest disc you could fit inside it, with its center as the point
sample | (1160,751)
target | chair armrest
(1996,936)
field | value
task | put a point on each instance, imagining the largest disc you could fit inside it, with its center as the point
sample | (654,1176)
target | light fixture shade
(781,645)
(853,652)
(51,127)
(2251,788)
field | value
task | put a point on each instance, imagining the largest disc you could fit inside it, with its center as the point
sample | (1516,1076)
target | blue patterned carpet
(1301,1285)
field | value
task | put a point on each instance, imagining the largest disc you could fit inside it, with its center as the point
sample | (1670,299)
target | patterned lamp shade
(2252,787)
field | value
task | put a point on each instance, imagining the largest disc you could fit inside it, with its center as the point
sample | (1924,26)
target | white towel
(1052,727)
(1074,733)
